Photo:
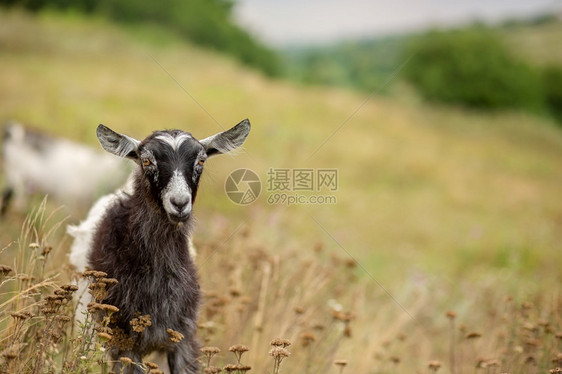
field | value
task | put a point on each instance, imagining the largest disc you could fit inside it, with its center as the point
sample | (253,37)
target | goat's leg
(182,359)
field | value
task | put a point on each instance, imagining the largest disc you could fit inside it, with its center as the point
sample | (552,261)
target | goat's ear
(228,140)
(118,144)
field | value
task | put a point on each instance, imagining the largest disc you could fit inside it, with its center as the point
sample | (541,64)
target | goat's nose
(179,203)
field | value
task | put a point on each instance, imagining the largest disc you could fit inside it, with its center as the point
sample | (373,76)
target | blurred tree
(474,68)
(363,64)
(553,90)
(205,22)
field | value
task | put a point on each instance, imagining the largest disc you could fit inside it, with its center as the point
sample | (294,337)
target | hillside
(365,64)
(443,207)
(538,43)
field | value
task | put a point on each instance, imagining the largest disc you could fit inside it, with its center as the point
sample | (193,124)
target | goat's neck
(154,232)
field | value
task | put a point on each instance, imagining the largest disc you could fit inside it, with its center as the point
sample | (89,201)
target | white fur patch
(177,189)
(174,142)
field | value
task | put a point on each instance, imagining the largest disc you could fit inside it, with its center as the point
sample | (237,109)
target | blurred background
(443,120)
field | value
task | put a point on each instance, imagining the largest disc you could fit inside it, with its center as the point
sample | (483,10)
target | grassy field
(444,209)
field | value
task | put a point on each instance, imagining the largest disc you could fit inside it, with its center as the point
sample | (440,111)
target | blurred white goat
(71,173)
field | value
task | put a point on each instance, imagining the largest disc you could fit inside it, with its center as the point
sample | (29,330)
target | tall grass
(275,309)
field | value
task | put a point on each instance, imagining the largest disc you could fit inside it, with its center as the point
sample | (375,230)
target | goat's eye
(146,162)
(201,162)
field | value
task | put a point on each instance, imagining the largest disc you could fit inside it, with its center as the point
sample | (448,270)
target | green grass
(422,188)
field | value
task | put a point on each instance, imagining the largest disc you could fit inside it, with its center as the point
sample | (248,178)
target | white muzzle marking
(176,197)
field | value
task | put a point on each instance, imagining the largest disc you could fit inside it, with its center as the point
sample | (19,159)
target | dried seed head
(104,336)
(9,354)
(395,360)
(34,245)
(242,368)
(54,299)
(46,250)
(318,247)
(473,335)
(140,323)
(318,326)
(125,361)
(5,269)
(93,307)
(279,352)
(340,363)
(22,315)
(175,336)
(230,368)
(212,370)
(210,350)
(121,339)
(94,273)
(342,316)
(434,365)
(48,310)
(109,308)
(63,319)
(238,348)
(350,263)
(451,314)
(26,277)
(109,281)
(307,338)
(299,310)
(150,365)
(279,342)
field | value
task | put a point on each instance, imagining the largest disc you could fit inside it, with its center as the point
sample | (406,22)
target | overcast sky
(284,22)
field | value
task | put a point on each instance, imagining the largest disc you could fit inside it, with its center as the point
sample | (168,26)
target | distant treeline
(475,68)
(471,66)
(205,22)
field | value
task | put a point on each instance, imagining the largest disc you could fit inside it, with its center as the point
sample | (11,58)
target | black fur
(138,244)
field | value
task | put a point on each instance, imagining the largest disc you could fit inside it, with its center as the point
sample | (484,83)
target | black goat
(140,237)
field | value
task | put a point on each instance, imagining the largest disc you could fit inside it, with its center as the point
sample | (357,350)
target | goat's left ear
(228,140)
(118,144)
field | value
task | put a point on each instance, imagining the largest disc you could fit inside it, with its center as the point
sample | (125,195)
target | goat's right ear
(228,140)
(118,144)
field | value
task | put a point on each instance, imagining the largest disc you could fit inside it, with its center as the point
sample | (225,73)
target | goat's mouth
(178,218)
